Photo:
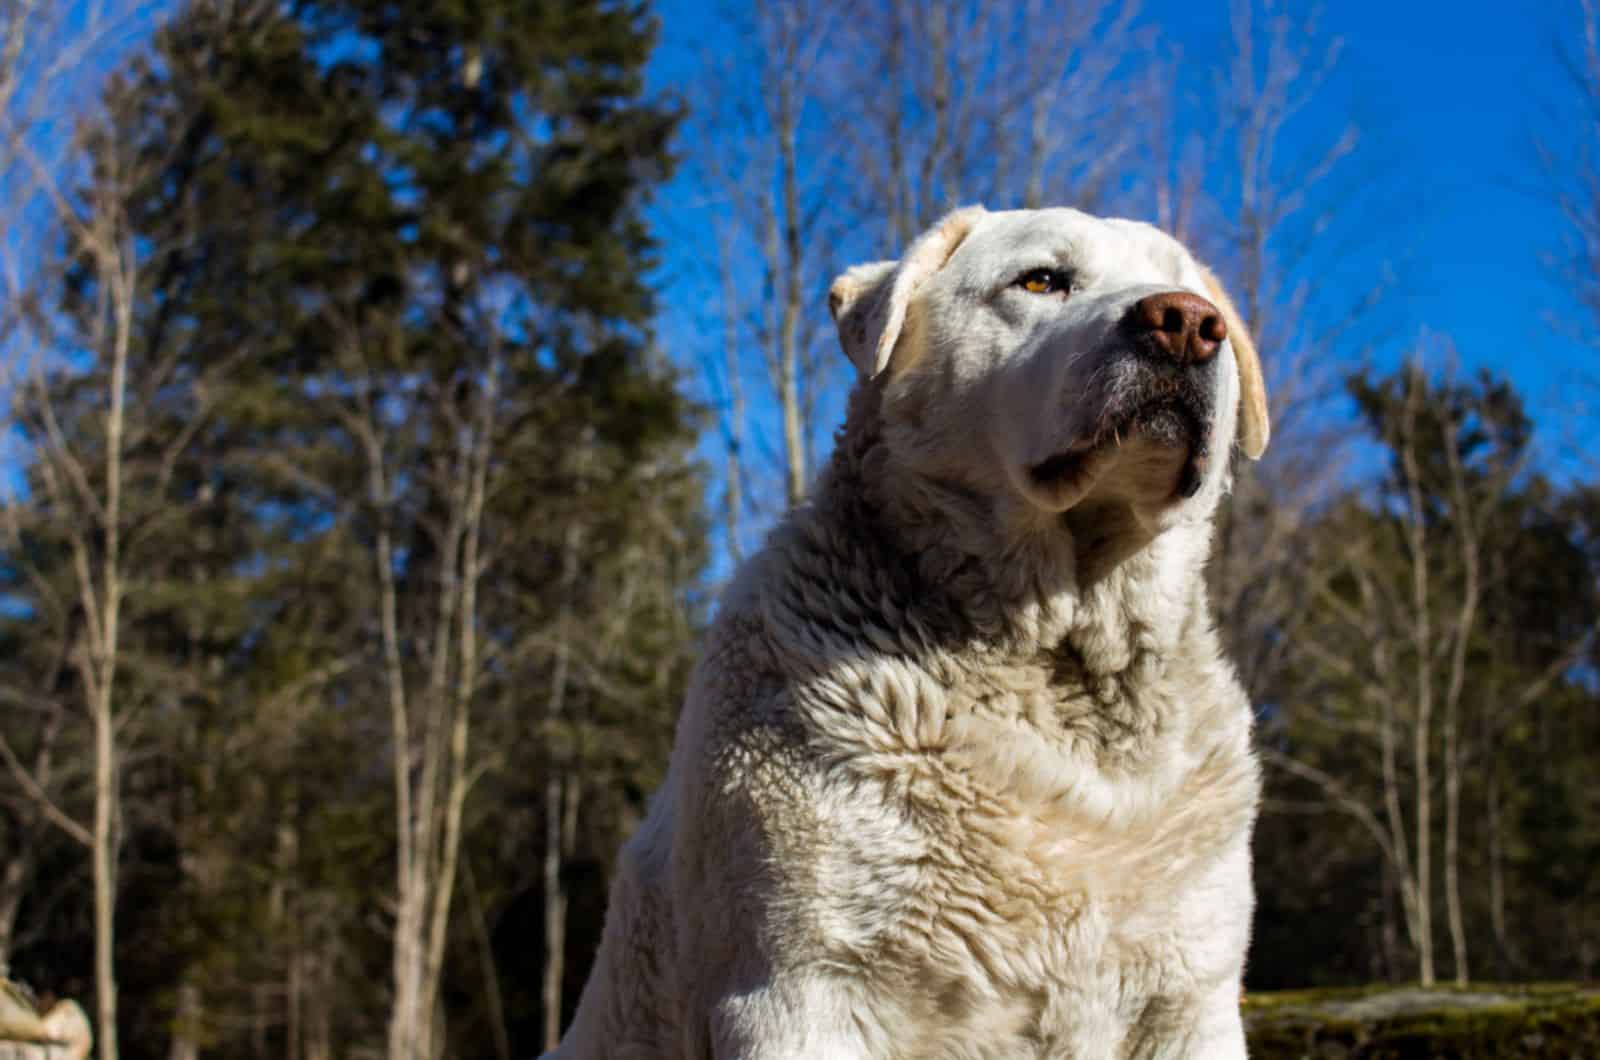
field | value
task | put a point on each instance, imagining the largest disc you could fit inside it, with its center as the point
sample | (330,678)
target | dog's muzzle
(1164,398)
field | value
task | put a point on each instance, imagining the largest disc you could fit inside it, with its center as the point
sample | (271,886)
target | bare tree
(1570,162)
(1567,160)
(1009,104)
(84,493)
(1398,591)
(767,163)
(1420,625)
(43,51)
(84,488)
(1261,221)
(1388,621)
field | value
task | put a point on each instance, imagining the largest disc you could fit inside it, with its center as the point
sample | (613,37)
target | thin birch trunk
(105,802)
(1509,958)
(116,261)
(404,1018)
(284,916)
(27,105)
(185,1045)
(555,894)
(555,912)
(1388,933)
(794,426)
(435,733)
(13,881)
(1394,815)
(901,221)
(471,570)
(1422,647)
(319,1017)
(492,994)
(1452,844)
(940,51)
(294,1005)
(734,423)
(431,777)
(1467,536)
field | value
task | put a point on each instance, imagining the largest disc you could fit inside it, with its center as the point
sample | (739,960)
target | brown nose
(1184,326)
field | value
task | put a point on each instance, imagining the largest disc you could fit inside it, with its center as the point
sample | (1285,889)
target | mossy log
(1486,1022)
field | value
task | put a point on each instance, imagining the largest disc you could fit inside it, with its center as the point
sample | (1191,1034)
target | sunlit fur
(962,772)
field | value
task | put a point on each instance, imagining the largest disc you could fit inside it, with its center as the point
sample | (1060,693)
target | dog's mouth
(1164,428)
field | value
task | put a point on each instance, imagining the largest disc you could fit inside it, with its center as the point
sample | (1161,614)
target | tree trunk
(1467,537)
(555,912)
(900,199)
(1394,815)
(733,495)
(106,806)
(940,51)
(185,1040)
(794,426)
(294,991)
(1509,959)
(1458,932)
(556,842)
(319,1008)
(285,920)
(492,996)
(1386,929)
(405,1020)
(443,867)
(104,872)
(1423,897)
(1422,647)
(13,882)
(1452,846)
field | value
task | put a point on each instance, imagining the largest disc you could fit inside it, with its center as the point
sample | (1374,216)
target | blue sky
(1448,98)
(1454,94)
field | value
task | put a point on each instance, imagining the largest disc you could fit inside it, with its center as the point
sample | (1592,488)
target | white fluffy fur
(962,772)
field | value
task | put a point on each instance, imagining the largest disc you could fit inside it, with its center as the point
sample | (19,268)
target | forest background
(389,385)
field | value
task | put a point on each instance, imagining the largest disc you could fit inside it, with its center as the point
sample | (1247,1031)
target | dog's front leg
(1206,1028)
(1219,1029)
(801,1015)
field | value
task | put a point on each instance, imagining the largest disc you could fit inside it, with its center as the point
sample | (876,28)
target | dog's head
(1058,360)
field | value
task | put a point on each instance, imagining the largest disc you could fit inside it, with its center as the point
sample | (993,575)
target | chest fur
(996,836)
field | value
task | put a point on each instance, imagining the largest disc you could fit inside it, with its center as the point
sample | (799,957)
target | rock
(63,1033)
(67,1024)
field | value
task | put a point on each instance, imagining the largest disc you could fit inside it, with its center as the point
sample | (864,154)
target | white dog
(962,772)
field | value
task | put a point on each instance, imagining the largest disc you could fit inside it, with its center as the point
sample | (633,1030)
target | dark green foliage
(367,228)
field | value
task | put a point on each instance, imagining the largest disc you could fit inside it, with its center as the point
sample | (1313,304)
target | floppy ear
(1254,428)
(857,301)
(869,302)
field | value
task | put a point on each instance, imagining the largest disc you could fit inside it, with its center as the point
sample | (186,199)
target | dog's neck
(1091,585)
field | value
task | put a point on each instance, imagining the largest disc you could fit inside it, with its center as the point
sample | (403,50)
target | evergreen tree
(423,602)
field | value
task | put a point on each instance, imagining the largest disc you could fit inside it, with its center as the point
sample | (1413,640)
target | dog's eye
(1045,281)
